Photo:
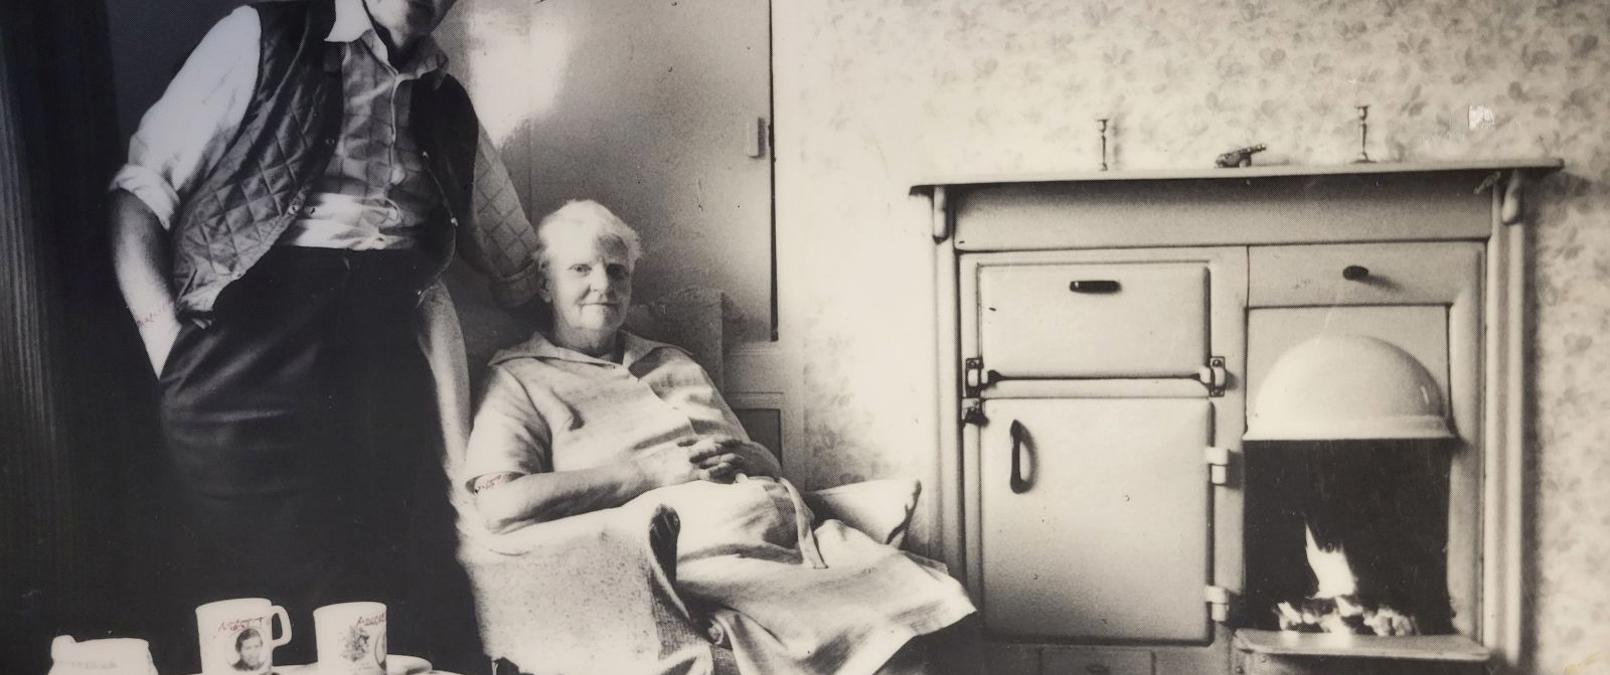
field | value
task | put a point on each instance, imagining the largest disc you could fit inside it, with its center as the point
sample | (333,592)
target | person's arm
(184,133)
(140,259)
(508,463)
(750,458)
(500,242)
(538,497)
(178,139)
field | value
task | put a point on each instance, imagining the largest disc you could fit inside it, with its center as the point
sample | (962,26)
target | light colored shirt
(547,408)
(373,194)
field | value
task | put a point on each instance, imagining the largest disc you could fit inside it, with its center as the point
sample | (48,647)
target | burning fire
(1335,606)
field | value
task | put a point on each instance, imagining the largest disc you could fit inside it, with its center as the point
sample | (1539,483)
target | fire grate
(1348,537)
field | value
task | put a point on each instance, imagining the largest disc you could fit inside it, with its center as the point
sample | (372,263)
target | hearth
(1348,537)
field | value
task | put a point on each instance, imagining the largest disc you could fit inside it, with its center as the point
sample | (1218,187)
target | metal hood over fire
(1347,387)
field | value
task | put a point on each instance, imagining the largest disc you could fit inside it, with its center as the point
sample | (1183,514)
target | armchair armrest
(588,593)
(882,509)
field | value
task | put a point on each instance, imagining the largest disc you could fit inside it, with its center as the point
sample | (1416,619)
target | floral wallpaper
(870,97)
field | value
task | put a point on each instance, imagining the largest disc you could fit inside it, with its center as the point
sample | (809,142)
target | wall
(870,97)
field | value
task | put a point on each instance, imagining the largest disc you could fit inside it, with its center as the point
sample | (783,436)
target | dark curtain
(76,418)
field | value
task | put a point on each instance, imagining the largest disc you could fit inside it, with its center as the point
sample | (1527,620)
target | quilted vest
(244,202)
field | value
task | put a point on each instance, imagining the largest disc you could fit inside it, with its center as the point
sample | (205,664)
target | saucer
(396,664)
(399,664)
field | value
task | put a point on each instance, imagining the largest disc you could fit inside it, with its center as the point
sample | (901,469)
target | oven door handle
(1094,286)
(1019,441)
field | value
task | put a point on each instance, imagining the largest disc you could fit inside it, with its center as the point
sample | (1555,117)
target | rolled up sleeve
(509,434)
(186,130)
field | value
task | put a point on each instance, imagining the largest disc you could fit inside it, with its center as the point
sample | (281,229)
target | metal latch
(1218,599)
(975,378)
(1214,375)
(974,415)
(757,138)
(1218,461)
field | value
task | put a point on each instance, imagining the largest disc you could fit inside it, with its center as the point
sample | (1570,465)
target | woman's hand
(748,457)
(510,501)
(712,458)
(687,461)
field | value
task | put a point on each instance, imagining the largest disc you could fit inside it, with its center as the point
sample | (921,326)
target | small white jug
(106,656)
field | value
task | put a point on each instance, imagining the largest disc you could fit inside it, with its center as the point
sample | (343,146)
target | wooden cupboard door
(661,111)
(1102,531)
(1077,320)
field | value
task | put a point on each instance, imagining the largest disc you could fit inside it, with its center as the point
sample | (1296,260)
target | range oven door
(1095,518)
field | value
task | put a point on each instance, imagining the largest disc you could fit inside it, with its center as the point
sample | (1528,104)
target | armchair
(594,593)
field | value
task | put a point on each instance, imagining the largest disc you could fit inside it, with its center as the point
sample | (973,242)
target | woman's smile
(588,280)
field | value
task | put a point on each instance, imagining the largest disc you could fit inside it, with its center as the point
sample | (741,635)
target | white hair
(586,216)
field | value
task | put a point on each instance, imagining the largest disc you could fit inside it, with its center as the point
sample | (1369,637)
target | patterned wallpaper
(872,96)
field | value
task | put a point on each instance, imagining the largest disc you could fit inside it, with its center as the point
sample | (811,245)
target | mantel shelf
(1455,648)
(1533,164)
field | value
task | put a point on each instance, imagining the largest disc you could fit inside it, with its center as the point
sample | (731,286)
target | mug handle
(285,626)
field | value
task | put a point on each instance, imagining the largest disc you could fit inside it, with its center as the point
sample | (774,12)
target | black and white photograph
(753,337)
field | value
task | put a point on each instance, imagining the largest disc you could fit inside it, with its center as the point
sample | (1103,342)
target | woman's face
(588,281)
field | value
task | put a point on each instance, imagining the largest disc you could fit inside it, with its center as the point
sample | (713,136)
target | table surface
(313,669)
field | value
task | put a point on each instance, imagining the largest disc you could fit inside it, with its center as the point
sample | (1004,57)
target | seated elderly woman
(586,416)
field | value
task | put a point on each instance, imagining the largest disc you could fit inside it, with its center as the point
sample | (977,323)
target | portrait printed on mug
(236,635)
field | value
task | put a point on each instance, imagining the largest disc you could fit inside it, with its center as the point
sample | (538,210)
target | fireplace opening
(1348,536)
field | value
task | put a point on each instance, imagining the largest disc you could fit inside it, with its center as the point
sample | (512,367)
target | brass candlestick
(1363,135)
(1103,122)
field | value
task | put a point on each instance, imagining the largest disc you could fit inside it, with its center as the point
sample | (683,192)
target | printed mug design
(250,652)
(240,644)
(351,638)
(237,636)
(362,644)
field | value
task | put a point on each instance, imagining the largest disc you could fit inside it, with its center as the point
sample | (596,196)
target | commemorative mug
(351,638)
(105,656)
(237,635)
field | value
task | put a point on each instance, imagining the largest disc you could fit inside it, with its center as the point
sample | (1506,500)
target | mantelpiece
(1226,266)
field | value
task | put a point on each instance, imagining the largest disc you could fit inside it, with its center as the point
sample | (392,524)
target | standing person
(301,184)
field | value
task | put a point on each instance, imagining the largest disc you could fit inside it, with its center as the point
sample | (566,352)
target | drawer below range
(1017,658)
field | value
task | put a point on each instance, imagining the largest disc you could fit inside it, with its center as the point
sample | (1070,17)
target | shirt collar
(636,349)
(351,21)
(352,24)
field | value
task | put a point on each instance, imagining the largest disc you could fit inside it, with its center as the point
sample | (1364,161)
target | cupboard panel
(1363,274)
(1102,531)
(1093,320)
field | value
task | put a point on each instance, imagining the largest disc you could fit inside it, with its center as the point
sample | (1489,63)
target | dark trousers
(303,434)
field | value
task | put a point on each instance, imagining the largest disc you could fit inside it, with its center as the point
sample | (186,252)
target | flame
(1335,606)
(1330,567)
